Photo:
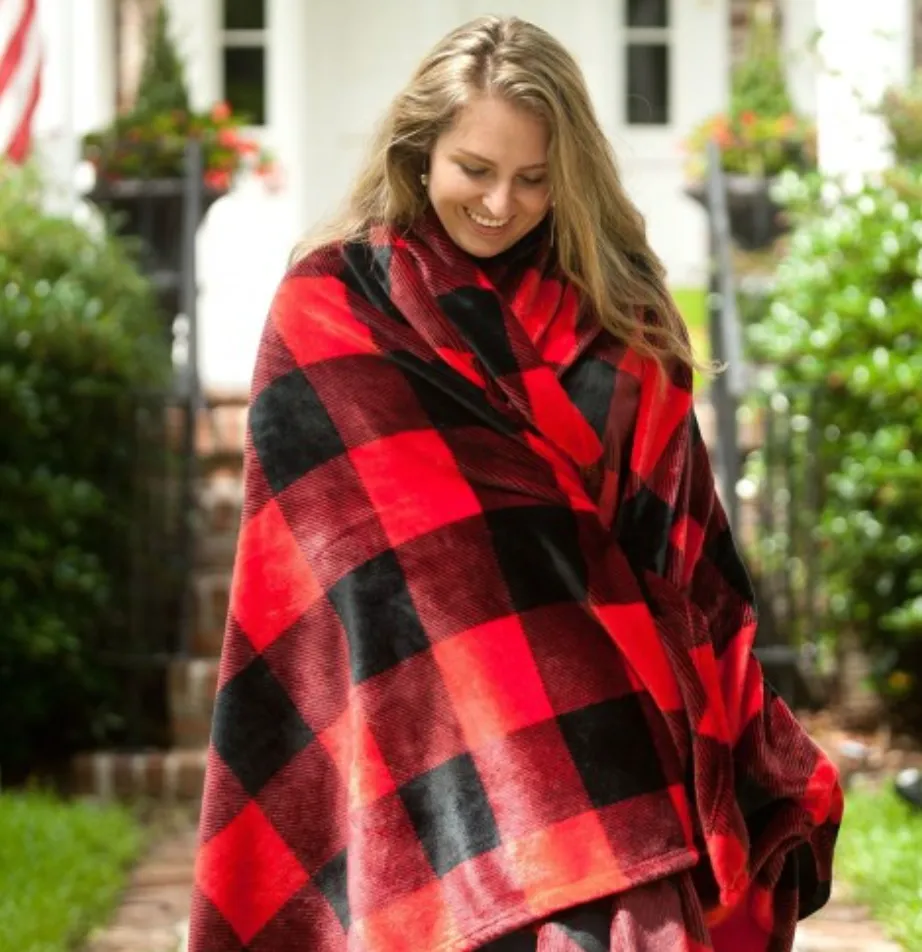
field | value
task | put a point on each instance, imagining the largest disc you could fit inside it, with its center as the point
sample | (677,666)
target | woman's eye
(473,173)
(534,181)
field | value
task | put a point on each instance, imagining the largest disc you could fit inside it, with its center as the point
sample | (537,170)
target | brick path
(842,926)
(154,911)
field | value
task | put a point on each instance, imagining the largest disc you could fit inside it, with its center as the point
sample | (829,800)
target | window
(648,62)
(243,50)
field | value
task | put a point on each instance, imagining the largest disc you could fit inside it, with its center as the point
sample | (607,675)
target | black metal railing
(768,470)
(162,217)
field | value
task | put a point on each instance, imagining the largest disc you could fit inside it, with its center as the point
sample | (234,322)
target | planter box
(755,219)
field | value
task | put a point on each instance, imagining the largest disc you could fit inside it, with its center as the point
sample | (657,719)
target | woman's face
(488,176)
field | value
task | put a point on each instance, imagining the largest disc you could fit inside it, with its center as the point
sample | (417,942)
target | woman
(487,679)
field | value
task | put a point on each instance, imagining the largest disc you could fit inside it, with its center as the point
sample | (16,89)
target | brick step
(211,591)
(192,685)
(219,506)
(161,775)
(221,424)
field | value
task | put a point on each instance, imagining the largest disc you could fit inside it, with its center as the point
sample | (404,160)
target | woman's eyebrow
(486,161)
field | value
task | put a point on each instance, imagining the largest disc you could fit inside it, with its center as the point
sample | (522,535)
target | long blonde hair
(599,234)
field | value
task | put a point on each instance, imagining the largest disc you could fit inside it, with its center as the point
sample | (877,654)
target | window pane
(245,81)
(648,12)
(648,84)
(244,14)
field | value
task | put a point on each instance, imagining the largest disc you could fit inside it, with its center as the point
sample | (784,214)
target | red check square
(544,863)
(414,484)
(270,864)
(419,920)
(273,584)
(334,332)
(356,754)
(493,681)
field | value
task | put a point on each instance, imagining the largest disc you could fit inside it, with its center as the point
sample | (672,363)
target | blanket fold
(489,649)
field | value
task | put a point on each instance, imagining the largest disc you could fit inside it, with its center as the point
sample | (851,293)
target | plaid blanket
(488,656)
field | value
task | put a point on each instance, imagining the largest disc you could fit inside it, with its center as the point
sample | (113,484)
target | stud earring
(424,178)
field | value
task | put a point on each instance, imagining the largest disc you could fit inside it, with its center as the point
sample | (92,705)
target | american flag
(20,75)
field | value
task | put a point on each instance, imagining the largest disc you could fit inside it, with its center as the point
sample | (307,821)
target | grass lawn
(62,866)
(880,855)
(692,305)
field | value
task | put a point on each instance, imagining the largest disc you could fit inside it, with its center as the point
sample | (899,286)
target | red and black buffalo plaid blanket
(488,657)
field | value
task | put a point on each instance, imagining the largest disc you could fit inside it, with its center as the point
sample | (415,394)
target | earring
(424,178)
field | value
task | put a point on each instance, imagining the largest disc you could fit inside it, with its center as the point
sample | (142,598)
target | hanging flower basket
(754,151)
(756,220)
(140,169)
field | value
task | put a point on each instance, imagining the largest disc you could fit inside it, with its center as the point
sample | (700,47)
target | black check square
(257,729)
(721,550)
(614,750)
(643,530)
(539,552)
(590,384)
(368,275)
(331,881)
(291,430)
(377,612)
(478,315)
(448,399)
(450,812)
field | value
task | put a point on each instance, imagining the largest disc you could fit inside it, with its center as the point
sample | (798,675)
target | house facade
(317,74)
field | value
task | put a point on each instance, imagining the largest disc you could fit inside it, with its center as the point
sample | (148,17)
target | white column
(798,27)
(863,50)
(290,93)
(195,28)
(78,88)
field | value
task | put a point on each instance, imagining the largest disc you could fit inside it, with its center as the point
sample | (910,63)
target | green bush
(844,322)
(63,867)
(901,110)
(79,334)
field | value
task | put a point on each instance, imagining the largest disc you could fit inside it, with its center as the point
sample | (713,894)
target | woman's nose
(498,200)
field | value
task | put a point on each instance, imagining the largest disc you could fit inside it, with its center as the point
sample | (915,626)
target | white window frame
(228,39)
(667,35)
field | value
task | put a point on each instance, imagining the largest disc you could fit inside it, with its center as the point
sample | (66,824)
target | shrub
(844,323)
(761,134)
(901,110)
(79,333)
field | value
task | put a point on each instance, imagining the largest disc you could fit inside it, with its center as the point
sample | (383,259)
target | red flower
(228,138)
(217,179)
(748,117)
(221,112)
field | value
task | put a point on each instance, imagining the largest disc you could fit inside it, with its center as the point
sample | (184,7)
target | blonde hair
(599,234)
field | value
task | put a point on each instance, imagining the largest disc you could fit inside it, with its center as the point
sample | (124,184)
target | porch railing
(769,471)
(157,614)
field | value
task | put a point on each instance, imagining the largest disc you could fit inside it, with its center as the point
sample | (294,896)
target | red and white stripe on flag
(20,75)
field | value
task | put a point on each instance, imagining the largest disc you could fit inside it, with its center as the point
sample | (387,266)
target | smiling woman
(487,178)
(488,679)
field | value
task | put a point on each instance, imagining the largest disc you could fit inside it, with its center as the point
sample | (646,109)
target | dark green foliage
(758,83)
(845,321)
(78,335)
(162,86)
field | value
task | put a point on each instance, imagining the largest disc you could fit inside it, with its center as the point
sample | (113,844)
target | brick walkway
(154,911)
